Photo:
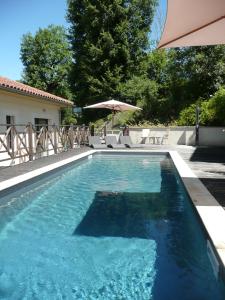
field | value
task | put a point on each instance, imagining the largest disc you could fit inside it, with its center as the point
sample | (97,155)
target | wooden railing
(20,143)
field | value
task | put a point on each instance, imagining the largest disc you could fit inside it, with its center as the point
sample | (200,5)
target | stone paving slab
(208,164)
(9,172)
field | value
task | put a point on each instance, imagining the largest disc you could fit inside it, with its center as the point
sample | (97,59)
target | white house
(21,104)
(27,116)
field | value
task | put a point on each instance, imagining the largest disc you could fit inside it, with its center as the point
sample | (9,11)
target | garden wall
(182,135)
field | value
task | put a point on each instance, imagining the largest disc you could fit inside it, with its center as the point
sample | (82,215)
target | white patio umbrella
(194,23)
(114,106)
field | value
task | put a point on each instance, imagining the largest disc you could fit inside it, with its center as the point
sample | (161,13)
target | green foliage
(146,94)
(68,117)
(47,58)
(125,118)
(182,76)
(216,109)
(109,57)
(133,90)
(199,70)
(212,111)
(120,119)
(157,63)
(109,41)
(99,123)
(187,116)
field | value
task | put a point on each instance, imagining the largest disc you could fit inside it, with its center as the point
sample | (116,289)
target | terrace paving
(10,172)
(208,164)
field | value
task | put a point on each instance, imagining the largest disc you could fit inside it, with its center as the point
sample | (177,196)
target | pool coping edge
(5,184)
(209,210)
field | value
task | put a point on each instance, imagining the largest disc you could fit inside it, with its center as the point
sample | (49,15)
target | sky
(18,17)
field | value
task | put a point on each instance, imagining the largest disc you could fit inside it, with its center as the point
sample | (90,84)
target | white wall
(172,135)
(212,136)
(208,136)
(26,108)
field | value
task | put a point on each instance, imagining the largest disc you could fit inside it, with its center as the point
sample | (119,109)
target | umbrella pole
(113,114)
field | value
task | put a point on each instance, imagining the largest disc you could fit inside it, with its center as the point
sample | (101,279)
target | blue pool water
(111,227)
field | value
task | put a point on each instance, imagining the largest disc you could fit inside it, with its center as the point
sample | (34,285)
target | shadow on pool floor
(122,214)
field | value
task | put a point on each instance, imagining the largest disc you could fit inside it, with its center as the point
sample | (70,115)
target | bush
(142,92)
(68,117)
(212,111)
(187,116)
(216,108)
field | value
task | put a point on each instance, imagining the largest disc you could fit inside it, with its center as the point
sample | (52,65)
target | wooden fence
(20,143)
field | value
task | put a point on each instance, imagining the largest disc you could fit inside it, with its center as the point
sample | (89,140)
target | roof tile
(26,89)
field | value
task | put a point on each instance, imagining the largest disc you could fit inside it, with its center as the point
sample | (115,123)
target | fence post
(13,140)
(55,139)
(92,130)
(105,131)
(126,130)
(30,141)
(77,136)
(71,136)
(197,126)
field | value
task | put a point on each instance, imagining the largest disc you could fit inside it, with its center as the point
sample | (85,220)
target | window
(39,123)
(10,120)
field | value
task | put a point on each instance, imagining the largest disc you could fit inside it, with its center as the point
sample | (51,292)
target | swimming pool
(109,227)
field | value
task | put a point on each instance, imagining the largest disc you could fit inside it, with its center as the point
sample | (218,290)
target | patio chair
(157,137)
(126,140)
(111,142)
(145,134)
(165,139)
(95,142)
(160,137)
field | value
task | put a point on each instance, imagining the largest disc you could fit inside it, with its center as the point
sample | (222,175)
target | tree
(157,63)
(68,117)
(109,41)
(185,75)
(143,92)
(205,69)
(47,58)
(216,108)
(200,71)
(211,111)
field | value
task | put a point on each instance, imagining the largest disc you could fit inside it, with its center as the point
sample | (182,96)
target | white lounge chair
(126,140)
(111,142)
(95,142)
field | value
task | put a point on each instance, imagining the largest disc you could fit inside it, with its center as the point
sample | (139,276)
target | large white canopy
(114,105)
(194,23)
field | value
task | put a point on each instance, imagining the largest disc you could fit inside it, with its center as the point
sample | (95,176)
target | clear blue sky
(18,17)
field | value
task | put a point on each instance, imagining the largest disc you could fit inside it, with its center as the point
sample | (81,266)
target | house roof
(12,85)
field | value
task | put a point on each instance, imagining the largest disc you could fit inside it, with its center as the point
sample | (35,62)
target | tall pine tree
(109,41)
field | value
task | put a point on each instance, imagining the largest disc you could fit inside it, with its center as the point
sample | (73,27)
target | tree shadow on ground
(216,187)
(209,154)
